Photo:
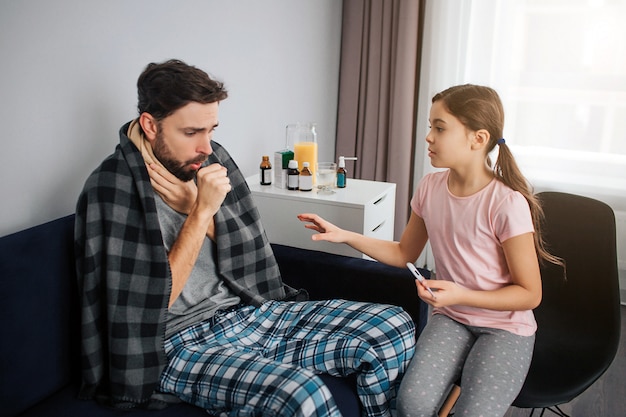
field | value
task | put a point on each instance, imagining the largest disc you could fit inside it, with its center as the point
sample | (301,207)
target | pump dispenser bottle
(341,173)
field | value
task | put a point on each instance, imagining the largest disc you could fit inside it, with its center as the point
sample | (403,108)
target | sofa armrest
(325,275)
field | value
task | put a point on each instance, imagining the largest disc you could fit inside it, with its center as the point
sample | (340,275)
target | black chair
(579,317)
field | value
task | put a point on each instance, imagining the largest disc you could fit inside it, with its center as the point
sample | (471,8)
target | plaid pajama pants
(263,361)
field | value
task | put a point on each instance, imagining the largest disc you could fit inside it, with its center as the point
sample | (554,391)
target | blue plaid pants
(264,361)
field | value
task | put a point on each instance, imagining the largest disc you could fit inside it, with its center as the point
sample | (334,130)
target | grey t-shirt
(204,292)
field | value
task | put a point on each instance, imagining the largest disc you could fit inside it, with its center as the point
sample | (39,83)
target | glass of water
(326,173)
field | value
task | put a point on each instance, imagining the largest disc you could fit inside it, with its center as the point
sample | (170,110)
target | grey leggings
(493,364)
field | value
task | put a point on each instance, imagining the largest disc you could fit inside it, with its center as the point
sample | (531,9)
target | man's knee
(306,395)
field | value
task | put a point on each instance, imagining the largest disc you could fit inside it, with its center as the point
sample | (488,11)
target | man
(181,295)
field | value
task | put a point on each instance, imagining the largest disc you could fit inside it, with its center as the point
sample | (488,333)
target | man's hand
(207,196)
(178,194)
(213,185)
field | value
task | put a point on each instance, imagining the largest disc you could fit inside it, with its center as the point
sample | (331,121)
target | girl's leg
(439,356)
(494,372)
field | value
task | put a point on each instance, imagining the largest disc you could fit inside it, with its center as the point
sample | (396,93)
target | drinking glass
(326,173)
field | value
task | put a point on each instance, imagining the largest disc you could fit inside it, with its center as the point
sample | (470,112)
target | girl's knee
(415,404)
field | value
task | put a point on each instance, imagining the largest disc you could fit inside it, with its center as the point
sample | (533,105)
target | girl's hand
(447,293)
(326,230)
(177,194)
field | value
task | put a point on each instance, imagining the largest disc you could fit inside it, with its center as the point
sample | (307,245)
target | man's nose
(204,145)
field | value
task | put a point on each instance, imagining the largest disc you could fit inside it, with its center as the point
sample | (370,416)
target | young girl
(483,223)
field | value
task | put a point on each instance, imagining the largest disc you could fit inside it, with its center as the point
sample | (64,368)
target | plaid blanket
(124,277)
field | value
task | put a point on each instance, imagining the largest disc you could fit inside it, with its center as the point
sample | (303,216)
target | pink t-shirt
(466,235)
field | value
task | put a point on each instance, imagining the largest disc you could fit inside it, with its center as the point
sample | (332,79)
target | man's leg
(340,338)
(237,381)
(336,337)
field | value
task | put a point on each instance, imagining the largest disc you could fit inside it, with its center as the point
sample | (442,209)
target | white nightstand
(366,207)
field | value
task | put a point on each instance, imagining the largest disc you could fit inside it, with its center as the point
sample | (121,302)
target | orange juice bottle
(306,151)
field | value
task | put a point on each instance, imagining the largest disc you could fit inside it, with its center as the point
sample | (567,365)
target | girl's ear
(149,126)
(481,139)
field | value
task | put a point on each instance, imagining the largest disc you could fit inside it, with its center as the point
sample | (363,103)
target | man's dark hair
(164,88)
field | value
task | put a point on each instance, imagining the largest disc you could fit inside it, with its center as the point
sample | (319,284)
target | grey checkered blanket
(124,277)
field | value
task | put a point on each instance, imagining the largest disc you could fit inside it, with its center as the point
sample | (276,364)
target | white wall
(69,67)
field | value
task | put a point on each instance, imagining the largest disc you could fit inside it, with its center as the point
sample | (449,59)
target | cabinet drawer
(379,216)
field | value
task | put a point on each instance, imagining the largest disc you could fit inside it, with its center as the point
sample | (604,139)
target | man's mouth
(197,163)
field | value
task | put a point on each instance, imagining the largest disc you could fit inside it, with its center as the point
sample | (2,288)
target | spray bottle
(342,174)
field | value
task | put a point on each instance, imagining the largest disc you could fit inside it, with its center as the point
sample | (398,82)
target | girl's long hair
(479,107)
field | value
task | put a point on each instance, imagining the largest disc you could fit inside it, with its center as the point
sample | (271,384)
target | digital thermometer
(419,277)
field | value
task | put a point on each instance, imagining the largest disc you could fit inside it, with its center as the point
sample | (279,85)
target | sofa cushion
(66,404)
(36,310)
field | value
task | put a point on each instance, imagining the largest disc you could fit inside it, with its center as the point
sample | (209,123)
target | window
(560,68)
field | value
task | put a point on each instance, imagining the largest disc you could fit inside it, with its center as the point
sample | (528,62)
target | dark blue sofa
(39,341)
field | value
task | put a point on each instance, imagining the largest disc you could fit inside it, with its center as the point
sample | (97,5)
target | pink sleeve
(513,217)
(418,196)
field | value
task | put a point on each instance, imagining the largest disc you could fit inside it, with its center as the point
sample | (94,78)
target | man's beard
(179,169)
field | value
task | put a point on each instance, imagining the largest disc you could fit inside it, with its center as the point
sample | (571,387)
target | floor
(607,397)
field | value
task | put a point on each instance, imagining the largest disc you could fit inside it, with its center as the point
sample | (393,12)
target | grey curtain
(380,50)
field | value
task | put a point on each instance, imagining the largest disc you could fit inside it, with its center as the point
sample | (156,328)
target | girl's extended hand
(177,194)
(326,230)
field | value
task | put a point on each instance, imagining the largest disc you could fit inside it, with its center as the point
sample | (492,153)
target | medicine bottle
(266,171)
(292,175)
(341,173)
(306,178)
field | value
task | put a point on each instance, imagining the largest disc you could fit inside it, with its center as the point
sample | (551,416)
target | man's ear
(149,125)
(481,139)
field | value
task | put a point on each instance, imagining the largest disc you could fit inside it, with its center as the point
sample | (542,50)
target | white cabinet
(366,207)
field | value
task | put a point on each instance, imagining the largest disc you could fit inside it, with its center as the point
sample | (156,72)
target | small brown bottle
(266,171)
(306,178)
(293,175)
